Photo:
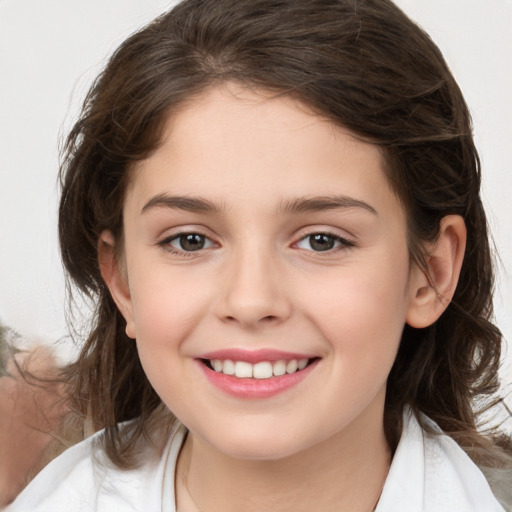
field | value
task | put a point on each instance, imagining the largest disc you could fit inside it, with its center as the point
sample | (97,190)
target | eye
(187,242)
(321,242)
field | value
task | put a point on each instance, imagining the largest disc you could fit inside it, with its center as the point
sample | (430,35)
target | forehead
(231,143)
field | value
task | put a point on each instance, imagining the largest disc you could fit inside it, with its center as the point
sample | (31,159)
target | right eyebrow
(323,203)
(189,204)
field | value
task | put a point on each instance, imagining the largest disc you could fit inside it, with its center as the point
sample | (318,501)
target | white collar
(431,473)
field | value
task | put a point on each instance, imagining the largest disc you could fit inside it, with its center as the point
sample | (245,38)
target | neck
(346,472)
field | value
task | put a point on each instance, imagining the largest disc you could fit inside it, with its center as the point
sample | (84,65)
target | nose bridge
(254,292)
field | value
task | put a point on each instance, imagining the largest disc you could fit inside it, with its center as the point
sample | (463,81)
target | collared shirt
(429,473)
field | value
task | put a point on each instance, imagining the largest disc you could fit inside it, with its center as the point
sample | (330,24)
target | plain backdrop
(50,51)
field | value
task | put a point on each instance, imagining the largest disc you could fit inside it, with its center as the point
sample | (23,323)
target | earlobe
(432,288)
(116,280)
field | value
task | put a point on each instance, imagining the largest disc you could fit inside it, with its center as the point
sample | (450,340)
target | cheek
(362,313)
(163,320)
(166,305)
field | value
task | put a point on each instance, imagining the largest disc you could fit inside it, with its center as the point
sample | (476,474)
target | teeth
(228,367)
(243,369)
(261,370)
(217,365)
(302,364)
(280,368)
(292,366)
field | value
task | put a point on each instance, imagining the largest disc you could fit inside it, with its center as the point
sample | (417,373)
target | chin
(266,444)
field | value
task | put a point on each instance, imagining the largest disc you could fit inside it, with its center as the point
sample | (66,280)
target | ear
(432,288)
(114,275)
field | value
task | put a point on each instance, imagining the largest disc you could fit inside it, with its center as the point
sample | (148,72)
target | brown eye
(187,242)
(321,242)
(191,242)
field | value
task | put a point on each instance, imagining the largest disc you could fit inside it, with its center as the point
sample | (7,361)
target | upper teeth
(261,370)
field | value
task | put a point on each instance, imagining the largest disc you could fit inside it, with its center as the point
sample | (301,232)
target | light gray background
(51,50)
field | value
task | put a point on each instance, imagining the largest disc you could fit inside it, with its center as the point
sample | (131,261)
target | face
(266,275)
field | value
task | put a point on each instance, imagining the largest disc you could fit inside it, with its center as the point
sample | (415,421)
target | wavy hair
(364,65)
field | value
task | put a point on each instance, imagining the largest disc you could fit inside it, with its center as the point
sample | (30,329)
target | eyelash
(166,243)
(339,242)
(343,243)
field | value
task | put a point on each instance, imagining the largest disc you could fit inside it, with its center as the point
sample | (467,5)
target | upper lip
(253,356)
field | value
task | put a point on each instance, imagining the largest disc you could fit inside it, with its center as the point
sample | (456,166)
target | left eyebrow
(189,204)
(323,203)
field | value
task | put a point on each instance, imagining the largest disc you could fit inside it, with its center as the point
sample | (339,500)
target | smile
(268,374)
(260,370)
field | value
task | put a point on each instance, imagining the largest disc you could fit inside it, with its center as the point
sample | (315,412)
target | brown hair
(364,65)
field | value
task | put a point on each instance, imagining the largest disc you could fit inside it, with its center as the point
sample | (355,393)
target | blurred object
(32,405)
(6,338)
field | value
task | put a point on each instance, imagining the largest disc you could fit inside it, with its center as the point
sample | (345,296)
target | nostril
(265,319)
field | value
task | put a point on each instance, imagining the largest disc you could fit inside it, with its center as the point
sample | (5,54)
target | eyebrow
(189,204)
(323,203)
(299,205)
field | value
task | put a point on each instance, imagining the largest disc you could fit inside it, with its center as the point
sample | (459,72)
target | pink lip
(253,356)
(255,388)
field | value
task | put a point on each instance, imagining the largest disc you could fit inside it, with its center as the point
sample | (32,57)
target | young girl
(275,206)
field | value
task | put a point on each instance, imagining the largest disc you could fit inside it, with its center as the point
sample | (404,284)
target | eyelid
(344,241)
(165,241)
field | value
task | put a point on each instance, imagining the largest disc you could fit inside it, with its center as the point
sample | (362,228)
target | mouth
(256,374)
(261,370)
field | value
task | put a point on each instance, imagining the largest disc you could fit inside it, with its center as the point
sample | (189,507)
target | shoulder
(83,480)
(431,473)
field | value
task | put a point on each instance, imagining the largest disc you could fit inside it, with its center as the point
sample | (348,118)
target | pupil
(321,242)
(192,242)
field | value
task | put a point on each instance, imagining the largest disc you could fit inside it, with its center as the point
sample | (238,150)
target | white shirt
(428,474)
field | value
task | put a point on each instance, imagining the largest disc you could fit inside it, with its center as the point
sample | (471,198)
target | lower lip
(255,388)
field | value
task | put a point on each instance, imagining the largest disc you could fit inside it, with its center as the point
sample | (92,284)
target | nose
(253,290)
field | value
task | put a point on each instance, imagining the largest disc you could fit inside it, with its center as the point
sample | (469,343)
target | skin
(258,283)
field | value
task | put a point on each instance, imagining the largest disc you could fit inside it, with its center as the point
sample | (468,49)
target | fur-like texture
(32,405)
